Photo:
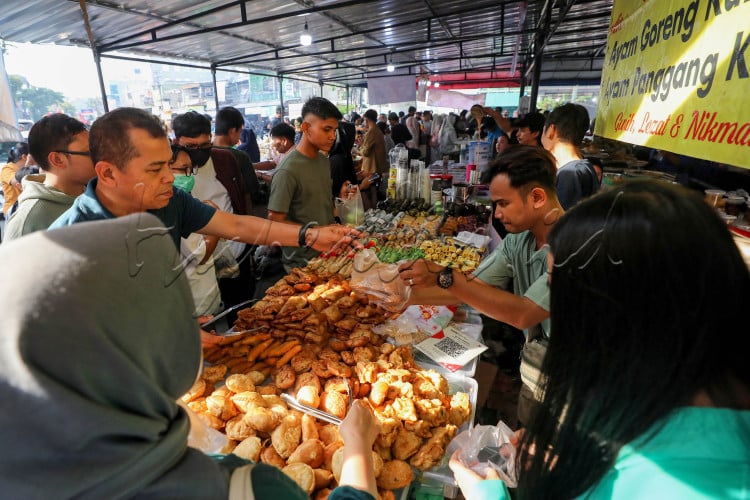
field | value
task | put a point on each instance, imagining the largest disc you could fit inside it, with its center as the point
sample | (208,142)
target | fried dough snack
(302,474)
(308,395)
(240,382)
(285,438)
(249,449)
(406,444)
(431,453)
(317,338)
(238,429)
(310,452)
(262,419)
(196,391)
(394,475)
(460,409)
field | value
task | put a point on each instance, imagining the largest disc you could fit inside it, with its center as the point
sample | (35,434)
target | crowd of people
(626,390)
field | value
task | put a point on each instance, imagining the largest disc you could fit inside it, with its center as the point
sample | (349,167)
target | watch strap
(302,232)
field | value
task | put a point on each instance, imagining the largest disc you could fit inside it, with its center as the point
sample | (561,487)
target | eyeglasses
(186,171)
(76,153)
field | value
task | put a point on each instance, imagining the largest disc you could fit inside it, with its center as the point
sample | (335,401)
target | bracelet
(303,230)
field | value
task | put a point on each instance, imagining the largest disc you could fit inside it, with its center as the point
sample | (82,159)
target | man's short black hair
(526,167)
(283,130)
(371,115)
(571,121)
(412,109)
(534,121)
(191,124)
(392,116)
(228,118)
(109,138)
(52,133)
(322,108)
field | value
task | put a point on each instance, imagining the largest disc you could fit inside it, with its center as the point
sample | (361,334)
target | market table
(316,325)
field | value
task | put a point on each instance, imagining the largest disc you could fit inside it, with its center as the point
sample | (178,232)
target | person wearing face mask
(196,250)
(220,179)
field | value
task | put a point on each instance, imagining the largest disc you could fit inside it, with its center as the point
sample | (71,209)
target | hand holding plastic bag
(487,450)
(379,281)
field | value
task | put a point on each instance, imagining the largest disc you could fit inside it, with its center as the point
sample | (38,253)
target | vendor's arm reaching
(522,188)
(499,304)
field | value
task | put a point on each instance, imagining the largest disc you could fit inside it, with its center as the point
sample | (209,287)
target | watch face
(445,278)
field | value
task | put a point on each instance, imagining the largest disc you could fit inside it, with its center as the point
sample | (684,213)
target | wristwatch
(302,232)
(445,278)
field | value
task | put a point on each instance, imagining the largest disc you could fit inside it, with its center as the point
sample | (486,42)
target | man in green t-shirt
(301,186)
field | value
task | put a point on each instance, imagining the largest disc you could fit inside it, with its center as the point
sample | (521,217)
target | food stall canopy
(352,40)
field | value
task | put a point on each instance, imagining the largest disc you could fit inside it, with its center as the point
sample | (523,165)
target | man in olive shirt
(301,186)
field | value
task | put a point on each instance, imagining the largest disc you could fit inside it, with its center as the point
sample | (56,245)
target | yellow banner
(676,78)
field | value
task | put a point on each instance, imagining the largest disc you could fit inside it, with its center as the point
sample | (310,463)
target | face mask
(199,157)
(184,182)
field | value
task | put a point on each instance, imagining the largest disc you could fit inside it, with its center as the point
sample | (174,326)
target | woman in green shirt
(648,392)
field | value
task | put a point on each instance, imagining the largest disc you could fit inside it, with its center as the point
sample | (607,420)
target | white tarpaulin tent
(8,126)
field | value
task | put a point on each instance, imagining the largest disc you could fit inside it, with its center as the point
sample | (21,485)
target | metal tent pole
(97,57)
(216,90)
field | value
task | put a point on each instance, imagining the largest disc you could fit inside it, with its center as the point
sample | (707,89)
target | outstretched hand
(465,477)
(419,273)
(334,237)
(207,338)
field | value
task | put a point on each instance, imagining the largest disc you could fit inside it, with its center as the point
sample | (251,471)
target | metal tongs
(208,324)
(314,412)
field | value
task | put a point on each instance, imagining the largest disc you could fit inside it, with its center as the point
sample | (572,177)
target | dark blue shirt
(182,216)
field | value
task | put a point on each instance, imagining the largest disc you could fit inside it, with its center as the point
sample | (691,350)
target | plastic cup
(714,197)
(729,219)
(733,205)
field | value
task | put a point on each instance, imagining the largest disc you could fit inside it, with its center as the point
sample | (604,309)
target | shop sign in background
(676,77)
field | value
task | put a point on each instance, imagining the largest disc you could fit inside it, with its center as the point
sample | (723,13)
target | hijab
(448,134)
(413,126)
(97,344)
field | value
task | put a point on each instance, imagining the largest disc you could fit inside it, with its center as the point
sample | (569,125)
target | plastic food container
(714,197)
(729,219)
(733,205)
(442,472)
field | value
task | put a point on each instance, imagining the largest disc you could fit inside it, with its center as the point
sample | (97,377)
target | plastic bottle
(424,172)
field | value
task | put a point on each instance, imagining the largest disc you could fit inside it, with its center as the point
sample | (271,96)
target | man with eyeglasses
(131,155)
(60,145)
(221,179)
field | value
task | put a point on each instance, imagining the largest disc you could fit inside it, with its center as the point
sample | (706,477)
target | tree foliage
(35,102)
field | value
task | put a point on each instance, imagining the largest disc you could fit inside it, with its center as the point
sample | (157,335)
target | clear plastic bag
(202,437)
(379,281)
(351,210)
(485,447)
